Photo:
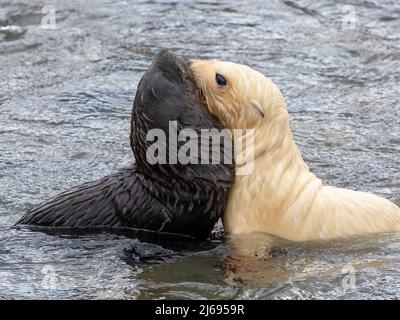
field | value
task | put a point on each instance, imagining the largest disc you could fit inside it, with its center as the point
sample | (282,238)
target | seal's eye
(220,79)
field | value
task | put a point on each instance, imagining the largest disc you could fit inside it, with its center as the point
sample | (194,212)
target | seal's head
(239,96)
(243,98)
(169,101)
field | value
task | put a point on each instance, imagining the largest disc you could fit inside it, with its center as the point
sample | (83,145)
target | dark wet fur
(184,199)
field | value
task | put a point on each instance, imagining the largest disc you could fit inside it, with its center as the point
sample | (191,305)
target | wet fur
(282,197)
(185,199)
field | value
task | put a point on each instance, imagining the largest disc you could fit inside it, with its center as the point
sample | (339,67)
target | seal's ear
(257,106)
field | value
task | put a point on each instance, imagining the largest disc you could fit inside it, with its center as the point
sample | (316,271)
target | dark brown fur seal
(185,199)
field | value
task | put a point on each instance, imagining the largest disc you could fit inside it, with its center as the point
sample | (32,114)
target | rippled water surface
(65,100)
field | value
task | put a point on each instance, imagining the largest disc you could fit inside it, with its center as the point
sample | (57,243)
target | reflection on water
(65,100)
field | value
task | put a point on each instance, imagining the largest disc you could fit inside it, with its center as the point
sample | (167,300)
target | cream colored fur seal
(281,196)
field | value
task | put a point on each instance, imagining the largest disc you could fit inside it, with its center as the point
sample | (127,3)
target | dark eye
(220,80)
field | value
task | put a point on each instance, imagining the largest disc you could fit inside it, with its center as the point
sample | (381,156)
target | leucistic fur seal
(175,198)
(281,196)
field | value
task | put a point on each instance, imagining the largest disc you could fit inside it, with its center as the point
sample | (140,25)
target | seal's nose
(196,66)
(164,56)
(168,64)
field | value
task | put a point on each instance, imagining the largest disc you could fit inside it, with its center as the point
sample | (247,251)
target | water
(65,100)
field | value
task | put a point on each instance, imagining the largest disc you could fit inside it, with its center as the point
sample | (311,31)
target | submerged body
(186,199)
(281,196)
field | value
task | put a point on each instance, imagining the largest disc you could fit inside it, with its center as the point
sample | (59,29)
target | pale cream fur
(281,196)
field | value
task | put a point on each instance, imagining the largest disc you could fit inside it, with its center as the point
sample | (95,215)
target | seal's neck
(278,179)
